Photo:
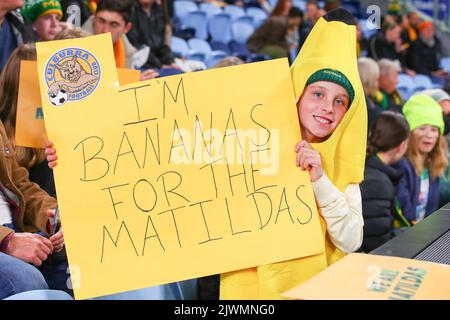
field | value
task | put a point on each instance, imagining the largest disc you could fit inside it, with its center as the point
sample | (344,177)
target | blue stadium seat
(234,11)
(405,85)
(210,9)
(219,27)
(246,19)
(258,15)
(240,50)
(218,45)
(422,82)
(179,47)
(200,45)
(241,31)
(198,21)
(183,7)
(214,58)
(41,295)
(197,56)
(300,4)
(445,63)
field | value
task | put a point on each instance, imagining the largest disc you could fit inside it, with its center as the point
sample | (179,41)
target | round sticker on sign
(71,74)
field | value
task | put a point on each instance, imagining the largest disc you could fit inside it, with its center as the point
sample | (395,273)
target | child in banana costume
(333,124)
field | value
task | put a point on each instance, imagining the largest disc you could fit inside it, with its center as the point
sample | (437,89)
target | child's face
(321,108)
(425,138)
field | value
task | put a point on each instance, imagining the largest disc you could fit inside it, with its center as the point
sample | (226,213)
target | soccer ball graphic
(59,98)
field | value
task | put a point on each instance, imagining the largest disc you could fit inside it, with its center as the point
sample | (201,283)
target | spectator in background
(304,29)
(388,97)
(77,12)
(313,12)
(443,99)
(282,8)
(387,144)
(149,29)
(426,159)
(13,29)
(425,54)
(387,44)
(114,16)
(45,16)
(369,73)
(295,19)
(270,38)
(410,28)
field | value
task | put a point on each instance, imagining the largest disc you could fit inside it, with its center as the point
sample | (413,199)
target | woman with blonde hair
(426,159)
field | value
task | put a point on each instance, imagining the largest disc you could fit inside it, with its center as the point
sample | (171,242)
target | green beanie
(333,76)
(422,110)
(33,9)
(394,8)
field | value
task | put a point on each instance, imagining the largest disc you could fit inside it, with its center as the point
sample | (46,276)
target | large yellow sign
(371,277)
(173,178)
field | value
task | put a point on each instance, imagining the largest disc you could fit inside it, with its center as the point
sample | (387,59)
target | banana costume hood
(331,44)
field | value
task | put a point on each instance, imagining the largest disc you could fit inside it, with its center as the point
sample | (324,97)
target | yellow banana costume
(331,44)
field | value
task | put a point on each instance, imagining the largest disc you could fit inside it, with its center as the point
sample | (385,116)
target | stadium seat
(445,63)
(258,15)
(240,50)
(246,19)
(200,45)
(41,295)
(197,56)
(405,85)
(183,7)
(198,21)
(241,31)
(218,45)
(214,58)
(234,11)
(179,47)
(422,82)
(210,9)
(300,4)
(219,27)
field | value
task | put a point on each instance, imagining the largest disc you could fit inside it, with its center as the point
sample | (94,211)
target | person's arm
(405,198)
(342,212)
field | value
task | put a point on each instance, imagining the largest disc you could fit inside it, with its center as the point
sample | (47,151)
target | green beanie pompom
(422,110)
(33,9)
(334,76)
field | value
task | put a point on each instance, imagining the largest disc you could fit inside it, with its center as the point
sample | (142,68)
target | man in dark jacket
(424,54)
(149,29)
(13,29)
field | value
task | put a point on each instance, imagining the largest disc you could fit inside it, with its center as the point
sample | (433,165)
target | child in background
(388,142)
(45,16)
(333,125)
(426,159)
